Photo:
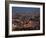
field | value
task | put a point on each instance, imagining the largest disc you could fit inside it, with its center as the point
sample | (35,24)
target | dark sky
(25,10)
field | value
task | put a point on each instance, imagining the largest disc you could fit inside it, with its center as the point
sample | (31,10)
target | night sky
(25,10)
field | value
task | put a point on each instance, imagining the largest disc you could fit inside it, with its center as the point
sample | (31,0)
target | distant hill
(25,14)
